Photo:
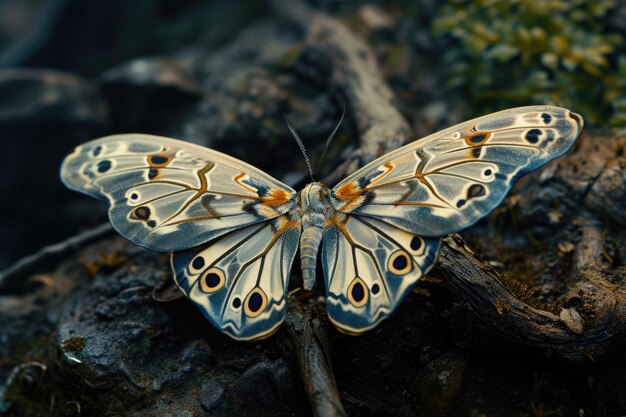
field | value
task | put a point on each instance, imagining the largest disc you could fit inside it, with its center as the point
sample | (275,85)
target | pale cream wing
(369,267)
(449,180)
(168,195)
(239,281)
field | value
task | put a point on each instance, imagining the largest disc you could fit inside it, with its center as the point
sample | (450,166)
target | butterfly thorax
(314,206)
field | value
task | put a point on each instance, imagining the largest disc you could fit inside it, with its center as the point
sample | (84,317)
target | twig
(12,276)
(306,336)
(356,76)
(488,315)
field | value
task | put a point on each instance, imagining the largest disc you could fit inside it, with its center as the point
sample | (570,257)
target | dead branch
(12,276)
(486,314)
(306,336)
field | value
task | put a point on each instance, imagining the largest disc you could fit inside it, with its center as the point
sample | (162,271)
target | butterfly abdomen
(313,205)
(309,244)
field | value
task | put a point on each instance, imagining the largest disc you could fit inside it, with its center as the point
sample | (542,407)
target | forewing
(369,266)
(239,281)
(449,180)
(169,195)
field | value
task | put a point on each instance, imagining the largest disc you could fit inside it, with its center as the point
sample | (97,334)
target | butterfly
(233,231)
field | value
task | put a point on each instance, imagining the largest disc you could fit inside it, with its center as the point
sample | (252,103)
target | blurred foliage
(521,52)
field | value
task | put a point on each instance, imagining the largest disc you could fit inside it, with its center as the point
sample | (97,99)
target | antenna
(330,138)
(301,145)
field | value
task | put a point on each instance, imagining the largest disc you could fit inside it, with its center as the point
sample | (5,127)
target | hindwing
(369,266)
(239,280)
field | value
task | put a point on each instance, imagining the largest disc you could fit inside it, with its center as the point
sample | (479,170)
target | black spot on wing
(477,138)
(104,166)
(153,173)
(140,213)
(198,263)
(532,136)
(476,190)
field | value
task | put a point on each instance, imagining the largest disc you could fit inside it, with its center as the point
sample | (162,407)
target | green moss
(521,52)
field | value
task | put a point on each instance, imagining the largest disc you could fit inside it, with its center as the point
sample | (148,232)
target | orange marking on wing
(238,179)
(266,211)
(335,221)
(349,191)
(159,160)
(276,198)
(388,167)
(478,138)
(287,225)
(352,204)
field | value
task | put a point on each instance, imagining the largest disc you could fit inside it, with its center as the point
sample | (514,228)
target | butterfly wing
(239,280)
(390,214)
(369,266)
(168,195)
(449,180)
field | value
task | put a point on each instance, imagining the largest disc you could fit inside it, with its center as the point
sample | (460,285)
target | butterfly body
(233,231)
(315,208)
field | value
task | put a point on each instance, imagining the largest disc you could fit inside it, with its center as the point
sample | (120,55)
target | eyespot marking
(358,294)
(546,118)
(399,263)
(375,289)
(212,280)
(255,303)
(97,150)
(159,160)
(236,302)
(477,139)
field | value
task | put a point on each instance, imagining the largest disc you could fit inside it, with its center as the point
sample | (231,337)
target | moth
(233,231)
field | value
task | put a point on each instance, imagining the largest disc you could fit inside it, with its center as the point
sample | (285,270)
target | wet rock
(212,395)
(265,385)
(140,357)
